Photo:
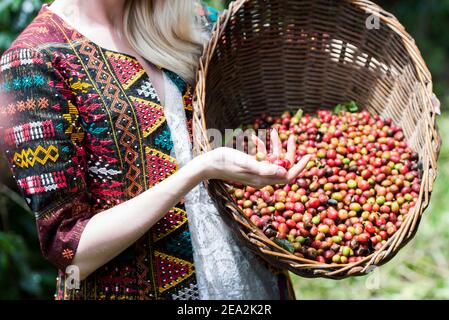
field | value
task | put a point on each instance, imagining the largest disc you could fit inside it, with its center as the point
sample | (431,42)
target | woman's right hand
(233,165)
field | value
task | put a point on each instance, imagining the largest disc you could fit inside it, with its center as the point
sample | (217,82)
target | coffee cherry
(239,193)
(363,238)
(349,200)
(279,206)
(248,212)
(316,220)
(336,258)
(247,204)
(352,184)
(313,203)
(355,207)
(260,156)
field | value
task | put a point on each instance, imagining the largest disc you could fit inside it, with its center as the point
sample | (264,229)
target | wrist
(201,168)
(204,164)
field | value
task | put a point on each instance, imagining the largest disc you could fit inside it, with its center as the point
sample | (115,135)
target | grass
(419,271)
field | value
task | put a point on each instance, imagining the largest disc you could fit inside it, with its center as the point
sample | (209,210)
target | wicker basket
(272,55)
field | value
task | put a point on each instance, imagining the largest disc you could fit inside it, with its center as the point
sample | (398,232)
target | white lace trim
(224,269)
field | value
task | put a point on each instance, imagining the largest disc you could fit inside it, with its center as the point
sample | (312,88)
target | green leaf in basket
(352,106)
(339,108)
(284,243)
(298,114)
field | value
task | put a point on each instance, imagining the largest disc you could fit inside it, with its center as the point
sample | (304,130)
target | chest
(117,116)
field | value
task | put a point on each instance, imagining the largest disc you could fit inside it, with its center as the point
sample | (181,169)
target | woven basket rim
(255,235)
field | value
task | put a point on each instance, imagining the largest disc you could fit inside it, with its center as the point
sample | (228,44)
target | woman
(91,147)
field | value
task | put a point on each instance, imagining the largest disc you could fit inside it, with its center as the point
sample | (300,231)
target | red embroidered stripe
(29,132)
(19,58)
(43,183)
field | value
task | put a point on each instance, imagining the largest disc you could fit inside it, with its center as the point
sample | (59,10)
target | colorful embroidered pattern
(22,57)
(187,293)
(67,254)
(28,158)
(86,131)
(173,242)
(174,219)
(29,131)
(124,122)
(174,270)
(43,183)
(150,114)
(30,104)
(127,70)
(105,171)
(24,82)
(74,130)
(79,86)
(148,91)
(187,99)
(159,166)
(164,140)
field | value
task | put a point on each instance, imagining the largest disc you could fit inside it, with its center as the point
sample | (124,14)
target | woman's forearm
(110,232)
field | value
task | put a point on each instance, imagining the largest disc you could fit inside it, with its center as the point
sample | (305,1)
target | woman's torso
(116,123)
(90,133)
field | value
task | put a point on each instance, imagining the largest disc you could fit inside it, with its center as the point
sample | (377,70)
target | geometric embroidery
(74,130)
(43,183)
(23,82)
(148,90)
(28,158)
(172,270)
(178,244)
(163,140)
(29,104)
(159,166)
(20,57)
(67,254)
(123,121)
(187,100)
(174,219)
(29,131)
(188,293)
(81,86)
(104,171)
(109,161)
(150,114)
(126,69)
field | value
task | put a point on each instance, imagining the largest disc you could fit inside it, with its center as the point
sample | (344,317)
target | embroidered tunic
(83,131)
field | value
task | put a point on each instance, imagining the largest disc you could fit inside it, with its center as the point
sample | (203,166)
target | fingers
(260,145)
(260,181)
(276,145)
(291,149)
(271,171)
(299,167)
(260,174)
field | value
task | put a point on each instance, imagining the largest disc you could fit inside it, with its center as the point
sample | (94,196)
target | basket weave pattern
(269,56)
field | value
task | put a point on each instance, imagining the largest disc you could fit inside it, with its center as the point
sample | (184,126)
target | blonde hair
(166,33)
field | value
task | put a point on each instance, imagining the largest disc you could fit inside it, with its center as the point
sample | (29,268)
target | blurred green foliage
(420,271)
(14,17)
